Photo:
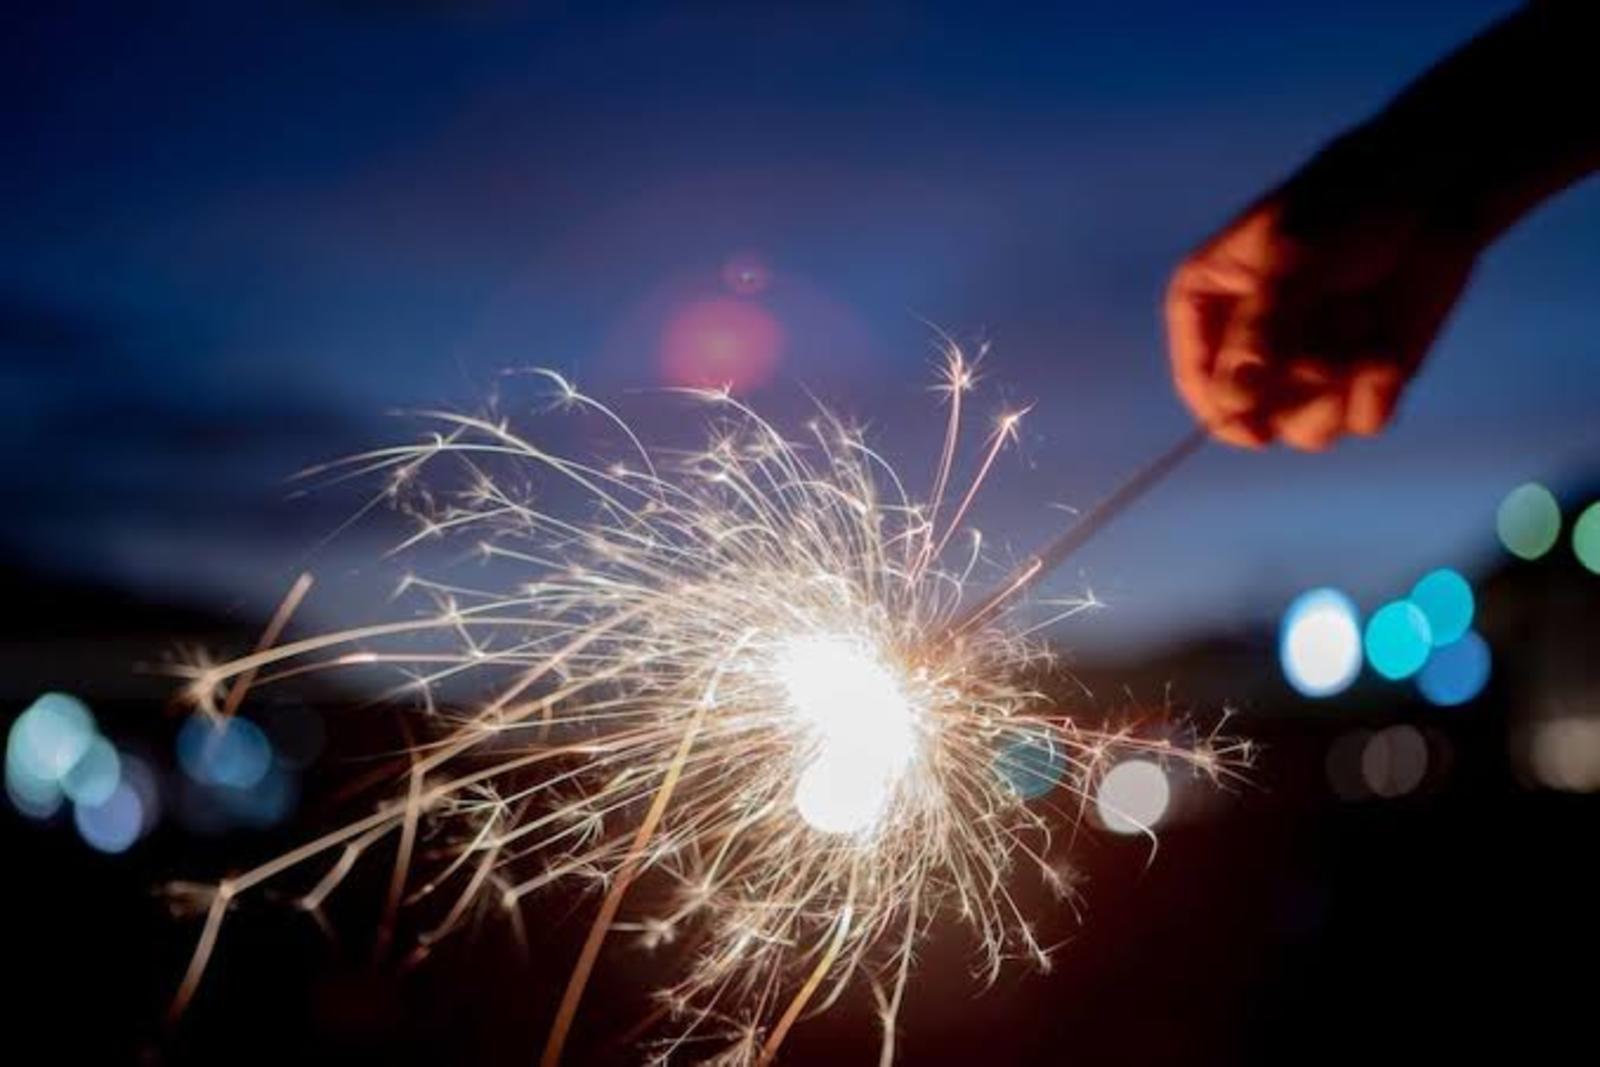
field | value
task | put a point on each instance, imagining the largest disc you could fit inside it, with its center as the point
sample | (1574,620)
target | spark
(747,676)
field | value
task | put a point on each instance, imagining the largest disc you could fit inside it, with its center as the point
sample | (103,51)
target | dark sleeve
(1506,121)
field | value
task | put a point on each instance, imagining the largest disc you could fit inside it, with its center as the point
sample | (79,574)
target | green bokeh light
(1586,537)
(1529,521)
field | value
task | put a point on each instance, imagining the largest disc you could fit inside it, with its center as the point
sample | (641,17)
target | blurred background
(239,239)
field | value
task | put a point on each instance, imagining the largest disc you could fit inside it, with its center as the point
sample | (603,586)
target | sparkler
(752,675)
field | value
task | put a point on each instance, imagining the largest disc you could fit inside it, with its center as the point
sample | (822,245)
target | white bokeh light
(1320,643)
(1394,761)
(1565,754)
(1133,796)
(842,792)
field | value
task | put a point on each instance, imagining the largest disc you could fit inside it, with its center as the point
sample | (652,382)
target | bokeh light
(44,744)
(1445,597)
(1133,796)
(113,824)
(266,803)
(224,752)
(35,797)
(1529,521)
(138,776)
(746,273)
(1394,761)
(1457,672)
(52,734)
(1586,537)
(94,777)
(1398,639)
(721,341)
(1319,643)
(1032,764)
(1565,754)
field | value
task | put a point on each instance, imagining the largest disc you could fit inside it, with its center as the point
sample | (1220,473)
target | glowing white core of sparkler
(860,725)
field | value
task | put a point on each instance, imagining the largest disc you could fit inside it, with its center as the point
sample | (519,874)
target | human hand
(1304,319)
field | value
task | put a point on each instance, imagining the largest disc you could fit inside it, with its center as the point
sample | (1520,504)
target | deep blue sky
(232,243)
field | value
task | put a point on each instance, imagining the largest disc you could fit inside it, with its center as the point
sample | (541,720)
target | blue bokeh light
(266,803)
(1445,597)
(114,824)
(1032,764)
(1319,643)
(224,752)
(1457,672)
(1398,640)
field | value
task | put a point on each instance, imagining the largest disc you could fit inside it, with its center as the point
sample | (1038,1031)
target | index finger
(1192,341)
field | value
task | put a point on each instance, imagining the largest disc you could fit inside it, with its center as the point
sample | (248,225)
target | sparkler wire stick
(1079,533)
(889,1010)
(241,686)
(269,637)
(601,926)
(841,930)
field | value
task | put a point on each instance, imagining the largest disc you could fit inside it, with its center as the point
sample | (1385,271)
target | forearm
(1487,134)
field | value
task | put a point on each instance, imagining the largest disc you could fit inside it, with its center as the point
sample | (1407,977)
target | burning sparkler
(751,675)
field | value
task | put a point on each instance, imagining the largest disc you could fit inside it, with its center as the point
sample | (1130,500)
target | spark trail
(750,675)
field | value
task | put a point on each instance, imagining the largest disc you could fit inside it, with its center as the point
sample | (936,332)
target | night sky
(234,244)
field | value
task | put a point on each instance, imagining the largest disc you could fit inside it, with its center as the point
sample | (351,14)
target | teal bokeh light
(52,734)
(1457,672)
(1032,763)
(1529,521)
(1445,597)
(45,744)
(1398,640)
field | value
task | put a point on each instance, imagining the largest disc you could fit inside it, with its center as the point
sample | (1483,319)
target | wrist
(1385,175)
